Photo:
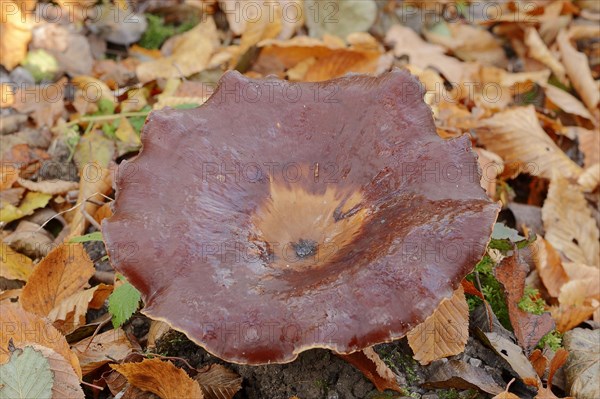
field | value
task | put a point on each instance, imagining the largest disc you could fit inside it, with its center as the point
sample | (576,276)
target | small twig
(92,385)
(96,331)
(90,219)
(172,358)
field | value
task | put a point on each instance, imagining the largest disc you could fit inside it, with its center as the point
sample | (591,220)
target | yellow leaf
(127,134)
(13,265)
(444,333)
(30,203)
(16,26)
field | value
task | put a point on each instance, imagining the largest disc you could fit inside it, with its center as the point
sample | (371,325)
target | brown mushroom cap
(280,216)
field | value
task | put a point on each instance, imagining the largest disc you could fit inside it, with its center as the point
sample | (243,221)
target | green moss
(553,339)
(157,31)
(532,301)
(491,290)
(448,394)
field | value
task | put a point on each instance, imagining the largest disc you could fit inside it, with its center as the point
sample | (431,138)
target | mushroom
(279,217)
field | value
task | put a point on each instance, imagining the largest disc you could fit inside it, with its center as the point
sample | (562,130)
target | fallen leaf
(64,272)
(444,333)
(218,382)
(160,378)
(589,142)
(95,184)
(578,69)
(30,203)
(30,239)
(66,382)
(69,313)
(538,50)
(18,325)
(506,394)
(52,187)
(513,354)
(93,151)
(187,54)
(93,89)
(571,229)
(338,17)
(566,102)
(370,364)
(559,359)
(528,328)
(107,347)
(16,26)
(517,136)
(491,167)
(460,375)
(13,265)
(539,362)
(157,329)
(577,301)
(549,266)
(45,102)
(590,178)
(26,375)
(583,366)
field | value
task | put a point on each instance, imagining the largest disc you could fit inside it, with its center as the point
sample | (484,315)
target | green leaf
(26,375)
(95,236)
(123,303)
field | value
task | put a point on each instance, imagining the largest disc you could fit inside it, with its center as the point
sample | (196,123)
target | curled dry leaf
(583,365)
(569,224)
(160,378)
(577,301)
(578,69)
(64,272)
(184,54)
(370,364)
(529,328)
(94,352)
(13,265)
(538,50)
(218,382)
(516,135)
(69,313)
(18,325)
(549,266)
(52,187)
(444,333)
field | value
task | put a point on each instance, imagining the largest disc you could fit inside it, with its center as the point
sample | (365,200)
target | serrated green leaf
(95,236)
(123,303)
(26,375)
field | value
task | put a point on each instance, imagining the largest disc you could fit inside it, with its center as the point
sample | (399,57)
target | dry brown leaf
(457,374)
(69,313)
(16,26)
(578,69)
(94,352)
(444,333)
(370,364)
(529,328)
(160,378)
(549,266)
(93,89)
(569,224)
(13,265)
(9,173)
(539,51)
(516,135)
(590,178)
(66,381)
(583,366)
(566,102)
(576,303)
(103,212)
(90,189)
(64,272)
(589,142)
(218,382)
(25,328)
(45,103)
(506,394)
(185,54)
(52,187)
(422,54)
(10,295)
(491,167)
(340,62)
(157,329)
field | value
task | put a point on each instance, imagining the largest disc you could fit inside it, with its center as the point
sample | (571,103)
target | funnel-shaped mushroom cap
(279,217)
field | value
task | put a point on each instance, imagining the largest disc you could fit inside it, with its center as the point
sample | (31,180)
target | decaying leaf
(96,351)
(529,328)
(13,265)
(583,366)
(371,365)
(218,382)
(460,375)
(26,375)
(18,325)
(444,333)
(516,135)
(160,378)
(64,272)
(66,382)
(571,228)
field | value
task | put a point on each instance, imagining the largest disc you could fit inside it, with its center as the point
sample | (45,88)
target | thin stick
(91,385)
(173,358)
